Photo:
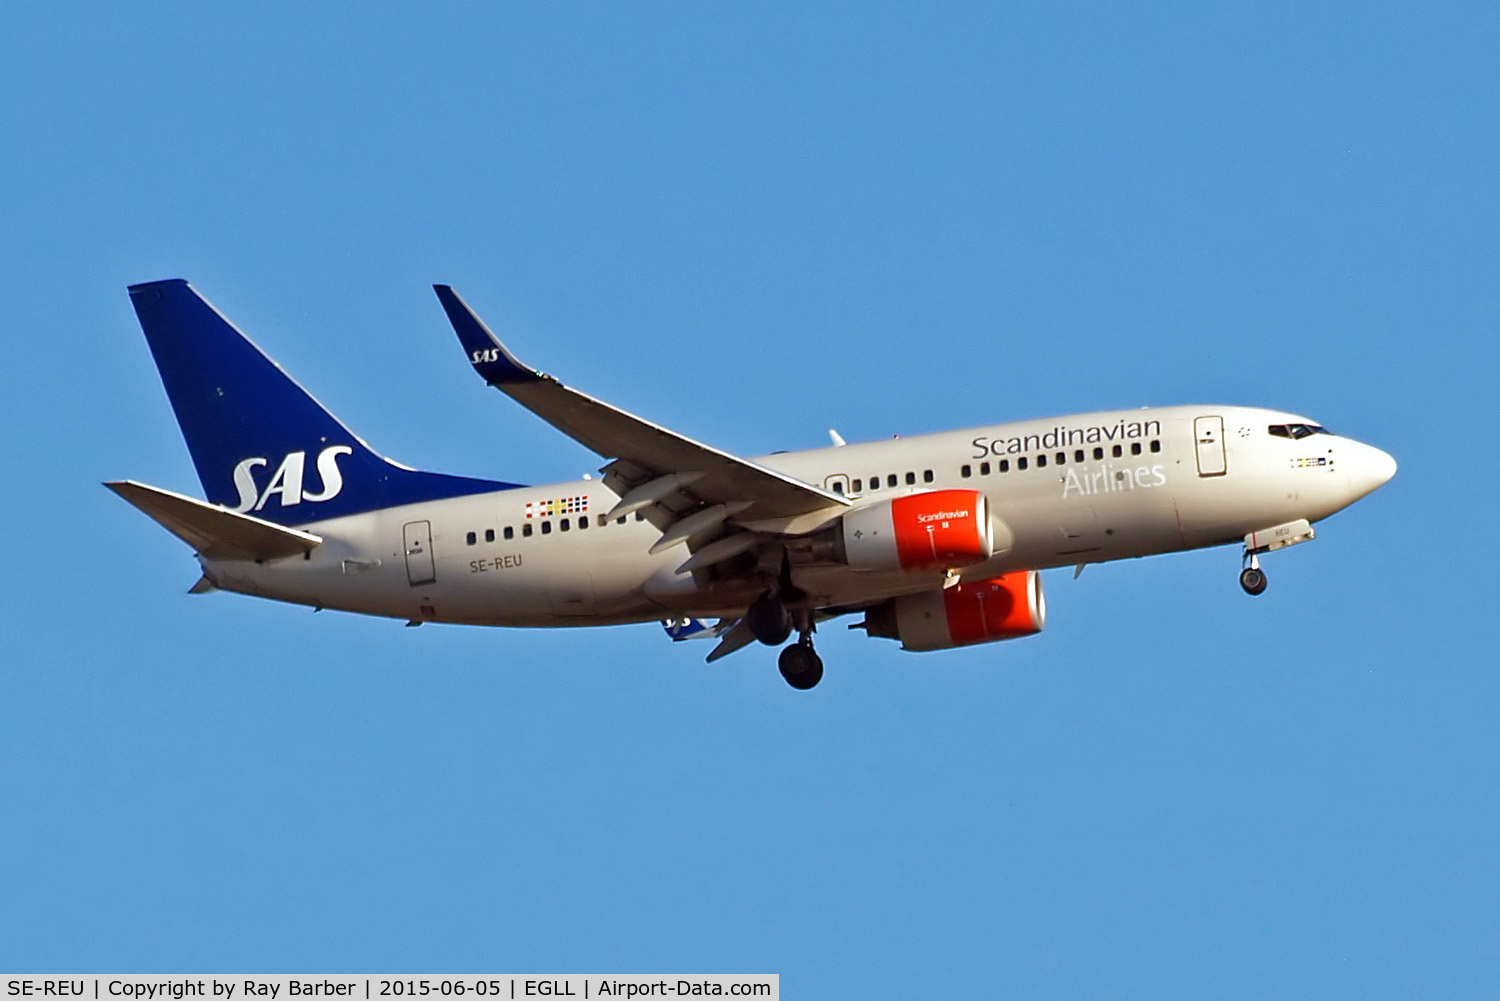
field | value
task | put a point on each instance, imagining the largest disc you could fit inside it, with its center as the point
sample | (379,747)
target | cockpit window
(1296,430)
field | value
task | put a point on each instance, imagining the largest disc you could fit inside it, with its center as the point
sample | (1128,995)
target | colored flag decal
(557,506)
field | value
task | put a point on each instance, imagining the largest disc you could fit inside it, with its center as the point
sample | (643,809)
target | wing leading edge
(650,464)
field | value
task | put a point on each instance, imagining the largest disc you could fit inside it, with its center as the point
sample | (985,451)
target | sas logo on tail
(286,483)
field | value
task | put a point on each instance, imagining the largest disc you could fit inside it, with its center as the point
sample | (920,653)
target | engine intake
(986,611)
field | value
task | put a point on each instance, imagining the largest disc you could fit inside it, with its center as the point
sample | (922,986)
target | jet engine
(984,611)
(935,530)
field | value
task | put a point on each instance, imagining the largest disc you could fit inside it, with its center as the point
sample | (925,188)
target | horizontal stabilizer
(215,532)
(736,637)
(693,629)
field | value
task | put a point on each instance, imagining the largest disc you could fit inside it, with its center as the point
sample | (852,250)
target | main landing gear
(771,620)
(1252,577)
(800,664)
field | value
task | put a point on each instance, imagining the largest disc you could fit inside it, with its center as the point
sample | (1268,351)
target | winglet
(489,357)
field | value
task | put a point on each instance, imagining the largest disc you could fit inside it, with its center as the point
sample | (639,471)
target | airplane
(937,540)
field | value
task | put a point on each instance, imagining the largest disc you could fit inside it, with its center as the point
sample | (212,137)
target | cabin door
(1209,434)
(417,538)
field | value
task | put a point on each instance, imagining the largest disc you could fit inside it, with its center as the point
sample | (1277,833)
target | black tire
(800,666)
(1253,580)
(769,620)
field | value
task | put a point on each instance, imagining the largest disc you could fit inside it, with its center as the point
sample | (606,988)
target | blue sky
(753,225)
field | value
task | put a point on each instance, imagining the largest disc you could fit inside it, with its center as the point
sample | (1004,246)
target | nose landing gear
(1252,577)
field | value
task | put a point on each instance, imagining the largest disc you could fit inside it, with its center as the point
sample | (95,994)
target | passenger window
(564,525)
(620,520)
(1078,455)
(471,538)
(911,479)
(1062,458)
(984,469)
(1041,461)
(838,487)
(926,476)
(890,480)
(1004,465)
(1156,446)
(489,535)
(510,533)
(966,471)
(1098,453)
(583,522)
(526,530)
(874,483)
(640,516)
(546,528)
(1021,462)
(1117,451)
(858,485)
(1135,448)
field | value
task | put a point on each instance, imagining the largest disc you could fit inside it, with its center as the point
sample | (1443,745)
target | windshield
(1296,430)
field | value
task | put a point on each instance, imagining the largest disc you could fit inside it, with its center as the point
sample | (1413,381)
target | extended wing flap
(642,451)
(215,532)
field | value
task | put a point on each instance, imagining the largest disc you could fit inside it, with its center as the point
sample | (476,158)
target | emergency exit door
(1209,434)
(417,538)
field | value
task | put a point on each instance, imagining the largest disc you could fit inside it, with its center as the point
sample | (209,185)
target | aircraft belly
(1221,509)
(1079,532)
(1064,526)
(1140,523)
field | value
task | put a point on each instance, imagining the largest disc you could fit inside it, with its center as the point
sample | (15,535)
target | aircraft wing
(651,464)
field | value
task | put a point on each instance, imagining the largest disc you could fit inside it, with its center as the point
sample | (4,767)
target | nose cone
(1368,468)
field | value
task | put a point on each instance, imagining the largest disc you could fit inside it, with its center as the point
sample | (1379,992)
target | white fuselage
(1063,491)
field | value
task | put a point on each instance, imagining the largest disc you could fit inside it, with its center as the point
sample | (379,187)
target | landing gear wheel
(1253,580)
(769,620)
(801,666)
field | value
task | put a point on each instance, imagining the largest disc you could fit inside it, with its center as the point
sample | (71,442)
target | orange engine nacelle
(935,530)
(984,611)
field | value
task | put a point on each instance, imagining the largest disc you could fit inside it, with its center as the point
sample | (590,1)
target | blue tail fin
(260,443)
